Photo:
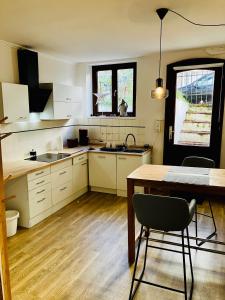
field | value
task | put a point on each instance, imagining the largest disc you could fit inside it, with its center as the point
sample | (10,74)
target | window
(111,84)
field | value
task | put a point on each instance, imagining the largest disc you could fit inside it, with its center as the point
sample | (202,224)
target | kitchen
(86,190)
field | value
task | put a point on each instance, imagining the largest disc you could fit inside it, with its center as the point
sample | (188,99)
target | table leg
(130,222)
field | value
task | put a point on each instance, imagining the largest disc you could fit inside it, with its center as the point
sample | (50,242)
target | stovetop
(48,157)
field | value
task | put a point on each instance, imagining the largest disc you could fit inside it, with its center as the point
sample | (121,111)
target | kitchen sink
(110,149)
(134,151)
(120,149)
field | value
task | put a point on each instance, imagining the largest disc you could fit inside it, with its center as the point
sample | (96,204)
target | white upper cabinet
(63,102)
(14,102)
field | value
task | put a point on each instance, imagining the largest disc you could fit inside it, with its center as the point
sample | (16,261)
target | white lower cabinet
(61,178)
(80,173)
(102,170)
(40,200)
(62,192)
(41,193)
(126,165)
(110,171)
(32,196)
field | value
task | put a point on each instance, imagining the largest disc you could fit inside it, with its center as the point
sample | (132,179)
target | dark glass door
(194,110)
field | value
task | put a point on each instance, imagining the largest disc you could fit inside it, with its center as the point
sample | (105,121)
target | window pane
(105,91)
(194,99)
(125,87)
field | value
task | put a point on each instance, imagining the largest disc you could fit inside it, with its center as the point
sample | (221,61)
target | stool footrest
(160,286)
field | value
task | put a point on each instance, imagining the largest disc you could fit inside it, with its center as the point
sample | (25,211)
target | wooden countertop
(14,169)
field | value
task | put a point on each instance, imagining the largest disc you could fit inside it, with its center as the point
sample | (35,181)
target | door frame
(169,117)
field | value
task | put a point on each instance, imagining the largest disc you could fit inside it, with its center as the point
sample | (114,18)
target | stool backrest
(162,212)
(199,162)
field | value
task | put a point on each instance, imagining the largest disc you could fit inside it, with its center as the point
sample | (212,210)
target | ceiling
(97,30)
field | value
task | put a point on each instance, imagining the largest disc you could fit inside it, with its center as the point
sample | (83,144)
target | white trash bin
(11,222)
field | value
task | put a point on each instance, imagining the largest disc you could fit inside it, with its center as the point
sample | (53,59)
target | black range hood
(29,75)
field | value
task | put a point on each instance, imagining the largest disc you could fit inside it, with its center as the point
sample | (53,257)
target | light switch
(158,125)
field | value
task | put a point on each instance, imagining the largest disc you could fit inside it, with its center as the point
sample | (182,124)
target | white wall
(148,110)
(17,146)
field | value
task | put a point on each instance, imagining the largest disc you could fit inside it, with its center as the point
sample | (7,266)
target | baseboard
(122,193)
(102,190)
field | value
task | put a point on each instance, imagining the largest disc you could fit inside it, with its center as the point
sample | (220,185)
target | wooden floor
(81,253)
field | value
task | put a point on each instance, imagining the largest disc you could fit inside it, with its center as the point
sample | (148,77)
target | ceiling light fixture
(160,93)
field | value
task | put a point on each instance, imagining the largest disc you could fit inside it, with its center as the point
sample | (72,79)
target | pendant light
(160,93)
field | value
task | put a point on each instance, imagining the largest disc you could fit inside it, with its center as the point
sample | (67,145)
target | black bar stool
(200,162)
(166,214)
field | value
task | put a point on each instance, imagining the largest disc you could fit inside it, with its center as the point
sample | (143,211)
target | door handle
(171,131)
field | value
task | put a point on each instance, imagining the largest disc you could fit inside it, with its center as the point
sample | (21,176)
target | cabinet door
(126,165)
(62,110)
(80,176)
(102,170)
(15,102)
(62,92)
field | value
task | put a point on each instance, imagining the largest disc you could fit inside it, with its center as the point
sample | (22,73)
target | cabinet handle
(39,173)
(83,164)
(101,156)
(64,188)
(40,182)
(64,172)
(40,192)
(123,158)
(22,118)
(41,200)
(81,158)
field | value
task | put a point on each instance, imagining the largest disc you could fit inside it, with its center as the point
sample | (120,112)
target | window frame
(114,68)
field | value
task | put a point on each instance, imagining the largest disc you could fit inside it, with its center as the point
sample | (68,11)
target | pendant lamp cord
(160,48)
(194,23)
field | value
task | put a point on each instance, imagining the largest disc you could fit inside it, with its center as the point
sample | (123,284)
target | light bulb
(159,93)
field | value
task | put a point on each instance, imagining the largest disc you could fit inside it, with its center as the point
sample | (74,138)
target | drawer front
(80,158)
(38,174)
(40,200)
(33,184)
(62,192)
(62,176)
(61,165)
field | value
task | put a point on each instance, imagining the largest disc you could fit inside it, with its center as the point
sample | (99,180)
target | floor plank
(80,252)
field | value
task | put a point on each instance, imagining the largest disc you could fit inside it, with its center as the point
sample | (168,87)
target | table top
(155,174)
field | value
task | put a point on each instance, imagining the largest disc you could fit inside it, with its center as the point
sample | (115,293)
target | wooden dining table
(155,177)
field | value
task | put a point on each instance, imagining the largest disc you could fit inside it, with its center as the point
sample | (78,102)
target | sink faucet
(130,134)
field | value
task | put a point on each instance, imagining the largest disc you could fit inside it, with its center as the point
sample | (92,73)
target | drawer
(61,165)
(38,174)
(40,200)
(62,192)
(80,158)
(33,184)
(60,177)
